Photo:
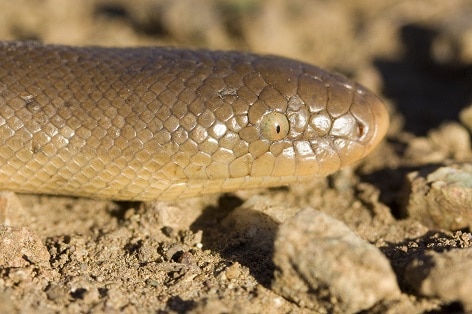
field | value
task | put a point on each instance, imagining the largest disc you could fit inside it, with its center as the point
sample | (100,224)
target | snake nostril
(360,129)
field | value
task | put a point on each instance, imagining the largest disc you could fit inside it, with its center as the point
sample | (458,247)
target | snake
(162,123)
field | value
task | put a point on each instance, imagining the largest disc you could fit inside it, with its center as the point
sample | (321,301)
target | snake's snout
(380,121)
(357,133)
(346,138)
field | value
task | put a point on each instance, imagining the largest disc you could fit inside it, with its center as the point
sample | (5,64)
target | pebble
(11,211)
(20,247)
(465,116)
(323,265)
(453,43)
(452,139)
(441,198)
(446,276)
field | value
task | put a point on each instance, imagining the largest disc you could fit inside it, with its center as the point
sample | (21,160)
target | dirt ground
(410,201)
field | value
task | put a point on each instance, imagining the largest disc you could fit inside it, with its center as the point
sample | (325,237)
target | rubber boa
(163,123)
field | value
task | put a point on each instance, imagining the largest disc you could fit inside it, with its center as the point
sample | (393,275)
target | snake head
(311,121)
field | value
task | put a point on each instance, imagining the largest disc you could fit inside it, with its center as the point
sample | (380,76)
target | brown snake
(163,123)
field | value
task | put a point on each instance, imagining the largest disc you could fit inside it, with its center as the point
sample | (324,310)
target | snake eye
(274,126)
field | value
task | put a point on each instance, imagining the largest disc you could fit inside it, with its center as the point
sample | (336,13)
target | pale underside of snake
(163,123)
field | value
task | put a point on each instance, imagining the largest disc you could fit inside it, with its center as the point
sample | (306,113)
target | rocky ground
(391,235)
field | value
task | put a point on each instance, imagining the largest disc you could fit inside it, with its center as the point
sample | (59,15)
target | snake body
(163,123)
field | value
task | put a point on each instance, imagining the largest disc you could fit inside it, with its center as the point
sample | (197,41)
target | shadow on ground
(248,241)
(425,91)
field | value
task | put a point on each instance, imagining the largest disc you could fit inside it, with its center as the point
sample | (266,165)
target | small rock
(254,226)
(453,44)
(56,292)
(116,299)
(452,139)
(324,266)
(422,150)
(446,276)
(441,198)
(465,116)
(233,271)
(11,210)
(168,215)
(20,247)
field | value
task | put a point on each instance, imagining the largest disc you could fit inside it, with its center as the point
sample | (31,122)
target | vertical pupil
(277,128)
